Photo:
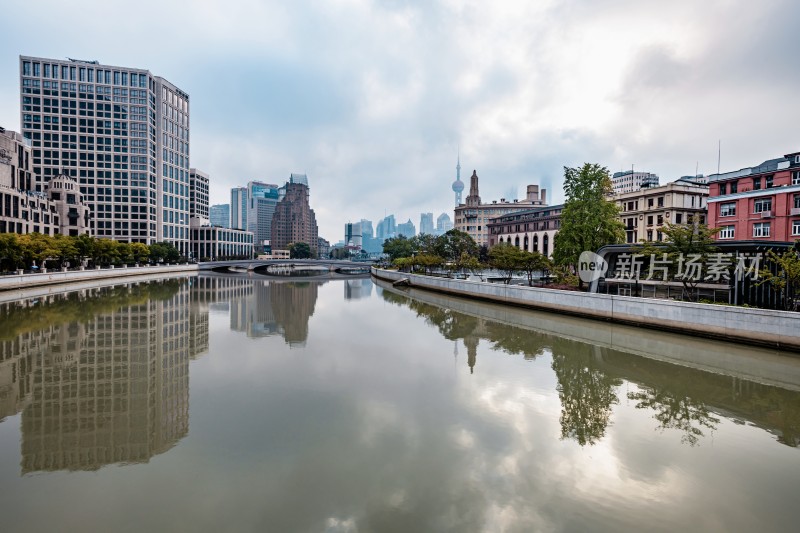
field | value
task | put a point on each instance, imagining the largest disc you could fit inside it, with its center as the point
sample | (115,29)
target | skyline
(276,90)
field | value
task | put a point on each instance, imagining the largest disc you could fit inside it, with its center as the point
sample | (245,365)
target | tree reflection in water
(682,398)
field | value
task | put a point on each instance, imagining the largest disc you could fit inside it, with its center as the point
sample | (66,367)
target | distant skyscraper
(123,133)
(443,224)
(386,228)
(239,208)
(630,181)
(352,234)
(426,224)
(458,185)
(407,229)
(261,201)
(220,215)
(294,220)
(198,194)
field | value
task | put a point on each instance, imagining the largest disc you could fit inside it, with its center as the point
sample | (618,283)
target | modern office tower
(220,215)
(60,209)
(198,194)
(443,224)
(239,208)
(261,201)
(426,224)
(366,229)
(123,133)
(352,234)
(629,181)
(386,228)
(407,229)
(294,220)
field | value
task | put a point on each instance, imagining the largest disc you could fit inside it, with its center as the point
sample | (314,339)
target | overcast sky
(372,99)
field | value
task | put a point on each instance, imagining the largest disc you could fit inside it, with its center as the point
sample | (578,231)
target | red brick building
(757,203)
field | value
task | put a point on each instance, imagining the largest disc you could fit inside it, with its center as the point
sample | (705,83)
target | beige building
(644,212)
(473,217)
(532,230)
(59,209)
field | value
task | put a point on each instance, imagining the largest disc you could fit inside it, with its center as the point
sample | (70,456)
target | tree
(36,248)
(454,244)
(164,251)
(589,220)
(106,251)
(64,249)
(10,251)
(85,245)
(684,243)
(507,259)
(531,262)
(139,251)
(397,247)
(299,250)
(786,282)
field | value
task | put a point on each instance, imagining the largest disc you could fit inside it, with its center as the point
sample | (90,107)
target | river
(236,403)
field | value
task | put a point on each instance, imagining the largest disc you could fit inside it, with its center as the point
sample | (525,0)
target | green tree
(507,259)
(139,251)
(64,249)
(85,245)
(397,247)
(164,251)
(531,262)
(10,251)
(36,248)
(299,250)
(589,220)
(454,244)
(684,243)
(106,251)
(786,281)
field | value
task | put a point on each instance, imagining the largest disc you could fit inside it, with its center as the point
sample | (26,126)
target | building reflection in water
(101,376)
(355,289)
(261,308)
(590,376)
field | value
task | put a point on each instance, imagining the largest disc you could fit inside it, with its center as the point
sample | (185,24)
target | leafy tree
(124,251)
(454,244)
(84,244)
(397,247)
(684,242)
(531,262)
(425,244)
(589,220)
(36,248)
(139,251)
(64,249)
(10,251)
(507,259)
(786,282)
(299,250)
(106,251)
(164,251)
(340,253)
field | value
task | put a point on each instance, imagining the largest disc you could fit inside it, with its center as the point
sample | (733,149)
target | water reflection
(590,376)
(106,381)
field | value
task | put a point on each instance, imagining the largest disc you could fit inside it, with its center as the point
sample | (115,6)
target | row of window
(760,205)
(766,181)
(83,73)
(760,229)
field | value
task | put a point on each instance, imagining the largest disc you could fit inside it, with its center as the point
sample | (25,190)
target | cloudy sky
(373,98)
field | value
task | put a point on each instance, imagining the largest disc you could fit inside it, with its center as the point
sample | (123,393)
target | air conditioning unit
(795,211)
(766,214)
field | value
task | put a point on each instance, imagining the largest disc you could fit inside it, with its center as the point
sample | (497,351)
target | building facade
(443,224)
(123,133)
(532,230)
(220,215)
(426,224)
(239,208)
(757,203)
(294,220)
(406,229)
(323,248)
(644,212)
(214,243)
(261,201)
(59,209)
(630,181)
(198,194)
(473,217)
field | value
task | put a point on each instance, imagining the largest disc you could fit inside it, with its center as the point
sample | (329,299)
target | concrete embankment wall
(82,277)
(780,329)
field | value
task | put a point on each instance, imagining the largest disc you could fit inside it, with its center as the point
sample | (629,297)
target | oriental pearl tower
(458,185)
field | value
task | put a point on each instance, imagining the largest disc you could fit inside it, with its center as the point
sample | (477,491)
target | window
(768,182)
(762,204)
(723,189)
(660,220)
(26,68)
(660,201)
(649,220)
(796,177)
(649,202)
(796,227)
(761,229)
(756,184)
(797,201)
(727,232)
(734,187)
(678,218)
(727,210)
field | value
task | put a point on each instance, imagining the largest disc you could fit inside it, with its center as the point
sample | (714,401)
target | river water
(235,403)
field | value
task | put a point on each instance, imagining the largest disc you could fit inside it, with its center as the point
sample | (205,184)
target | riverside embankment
(17,286)
(779,329)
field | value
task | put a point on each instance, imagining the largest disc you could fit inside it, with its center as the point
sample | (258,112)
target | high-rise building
(386,228)
(630,181)
(352,234)
(294,220)
(406,229)
(426,224)
(443,224)
(239,208)
(198,194)
(123,133)
(261,201)
(220,215)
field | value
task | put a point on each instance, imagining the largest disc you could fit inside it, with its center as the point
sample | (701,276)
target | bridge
(288,267)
